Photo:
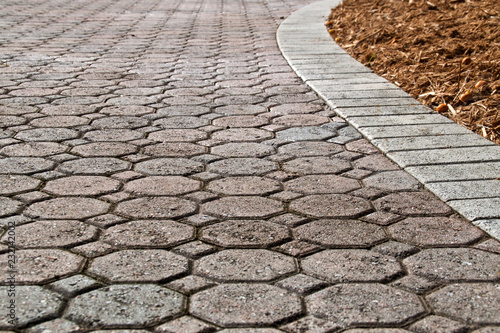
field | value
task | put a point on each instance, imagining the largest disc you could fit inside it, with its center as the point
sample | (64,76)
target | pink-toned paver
(163,169)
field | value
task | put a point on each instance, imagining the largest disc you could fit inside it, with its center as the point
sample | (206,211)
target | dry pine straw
(445,53)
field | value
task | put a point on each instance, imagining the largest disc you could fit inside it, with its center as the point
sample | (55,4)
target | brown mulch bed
(445,53)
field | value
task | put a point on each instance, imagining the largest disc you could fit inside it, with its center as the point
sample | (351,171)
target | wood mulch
(445,53)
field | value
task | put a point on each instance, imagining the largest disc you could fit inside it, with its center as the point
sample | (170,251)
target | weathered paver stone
(138,266)
(156,207)
(432,231)
(81,185)
(438,324)
(310,148)
(242,135)
(178,135)
(42,234)
(34,149)
(67,208)
(412,203)
(244,265)
(316,184)
(9,206)
(243,149)
(47,134)
(162,185)
(340,233)
(39,266)
(364,304)
(245,305)
(245,233)
(126,305)
(455,264)
(27,305)
(393,181)
(104,149)
(331,205)
(24,165)
(148,233)
(351,266)
(250,185)
(242,166)
(243,206)
(174,149)
(169,166)
(476,303)
(94,166)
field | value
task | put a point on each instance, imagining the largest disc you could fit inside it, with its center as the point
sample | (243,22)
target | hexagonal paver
(393,181)
(435,231)
(120,122)
(240,121)
(47,134)
(242,166)
(14,184)
(438,324)
(34,149)
(245,233)
(331,205)
(59,121)
(126,305)
(243,149)
(317,184)
(82,185)
(169,166)
(174,149)
(127,110)
(306,149)
(476,303)
(40,266)
(148,233)
(452,264)
(412,203)
(242,135)
(364,304)
(138,266)
(245,265)
(305,134)
(119,134)
(156,207)
(181,122)
(351,266)
(301,120)
(245,305)
(104,149)
(24,165)
(27,305)
(67,208)
(243,206)
(316,165)
(53,234)
(340,233)
(178,135)
(162,185)
(250,185)
(94,166)
(9,206)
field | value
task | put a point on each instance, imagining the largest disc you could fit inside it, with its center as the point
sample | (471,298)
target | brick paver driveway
(162,169)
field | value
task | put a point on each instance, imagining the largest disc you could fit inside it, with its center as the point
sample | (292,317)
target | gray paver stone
(242,265)
(67,208)
(364,304)
(475,303)
(331,205)
(245,305)
(454,264)
(126,305)
(28,309)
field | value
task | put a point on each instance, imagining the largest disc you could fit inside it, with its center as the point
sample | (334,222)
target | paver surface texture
(163,169)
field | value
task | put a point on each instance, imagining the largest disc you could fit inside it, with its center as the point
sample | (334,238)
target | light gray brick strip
(460,167)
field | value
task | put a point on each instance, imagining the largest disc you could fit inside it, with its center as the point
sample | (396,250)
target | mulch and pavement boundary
(457,165)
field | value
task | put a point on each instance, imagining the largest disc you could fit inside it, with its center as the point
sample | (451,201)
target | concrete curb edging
(457,165)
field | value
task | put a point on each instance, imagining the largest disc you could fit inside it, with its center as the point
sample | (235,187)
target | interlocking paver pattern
(167,171)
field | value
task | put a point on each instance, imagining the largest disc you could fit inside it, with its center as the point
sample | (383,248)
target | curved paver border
(457,165)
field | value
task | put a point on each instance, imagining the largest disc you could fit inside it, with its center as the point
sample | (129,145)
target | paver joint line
(164,169)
